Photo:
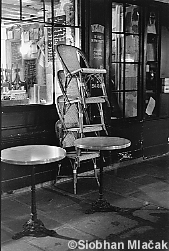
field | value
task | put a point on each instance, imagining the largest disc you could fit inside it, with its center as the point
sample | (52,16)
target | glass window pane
(151,75)
(152,103)
(151,47)
(34,13)
(152,22)
(62,35)
(117,47)
(125,59)
(64,12)
(117,17)
(28,74)
(132,48)
(117,105)
(124,104)
(47,9)
(117,76)
(10,9)
(132,19)
(130,104)
(29,47)
(131,76)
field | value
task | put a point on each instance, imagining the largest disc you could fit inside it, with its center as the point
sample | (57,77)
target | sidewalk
(143,185)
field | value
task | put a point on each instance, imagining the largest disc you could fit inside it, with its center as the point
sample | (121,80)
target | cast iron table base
(102,205)
(34,227)
(32,155)
(102,144)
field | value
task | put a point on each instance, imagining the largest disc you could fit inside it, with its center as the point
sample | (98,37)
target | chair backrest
(71,57)
(68,113)
(69,118)
(69,87)
(66,139)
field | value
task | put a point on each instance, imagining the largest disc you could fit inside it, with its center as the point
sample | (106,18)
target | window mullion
(124,62)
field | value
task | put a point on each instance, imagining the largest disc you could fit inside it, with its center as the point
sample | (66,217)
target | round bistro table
(102,144)
(32,155)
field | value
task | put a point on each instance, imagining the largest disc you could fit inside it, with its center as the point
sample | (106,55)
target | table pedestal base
(102,205)
(34,228)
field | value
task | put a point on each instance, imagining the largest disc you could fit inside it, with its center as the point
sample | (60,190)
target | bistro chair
(68,128)
(71,92)
(76,66)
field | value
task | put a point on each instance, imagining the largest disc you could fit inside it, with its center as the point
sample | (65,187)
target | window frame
(125,63)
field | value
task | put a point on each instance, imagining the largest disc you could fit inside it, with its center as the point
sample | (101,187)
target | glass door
(125,66)
(152,88)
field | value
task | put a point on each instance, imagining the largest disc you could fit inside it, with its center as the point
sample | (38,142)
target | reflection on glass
(117,76)
(132,48)
(9,10)
(132,19)
(125,59)
(28,73)
(29,48)
(130,104)
(117,18)
(35,14)
(124,104)
(151,65)
(118,47)
(117,107)
(151,28)
(131,76)
(151,72)
(65,12)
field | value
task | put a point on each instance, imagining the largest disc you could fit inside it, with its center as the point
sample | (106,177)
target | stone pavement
(140,185)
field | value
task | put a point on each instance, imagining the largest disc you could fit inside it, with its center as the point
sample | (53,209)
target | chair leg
(95,171)
(75,167)
(100,107)
(58,172)
(74,181)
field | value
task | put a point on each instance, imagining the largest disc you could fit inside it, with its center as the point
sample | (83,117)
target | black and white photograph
(84,125)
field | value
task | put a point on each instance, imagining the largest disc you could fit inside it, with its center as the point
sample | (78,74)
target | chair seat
(95,100)
(83,155)
(87,71)
(87,128)
(88,100)
(93,71)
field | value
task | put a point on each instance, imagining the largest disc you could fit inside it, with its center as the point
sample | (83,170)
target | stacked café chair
(72,58)
(72,125)
(68,128)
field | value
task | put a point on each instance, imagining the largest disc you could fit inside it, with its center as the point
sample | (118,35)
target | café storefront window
(29,35)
